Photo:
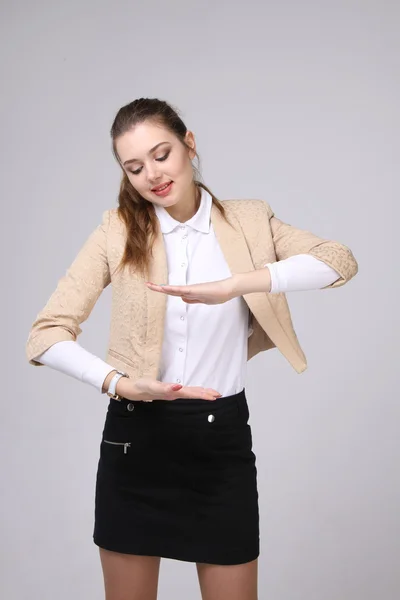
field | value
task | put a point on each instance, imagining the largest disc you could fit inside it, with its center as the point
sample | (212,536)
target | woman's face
(152,156)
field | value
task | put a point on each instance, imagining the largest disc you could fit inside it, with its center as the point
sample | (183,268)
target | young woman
(198,289)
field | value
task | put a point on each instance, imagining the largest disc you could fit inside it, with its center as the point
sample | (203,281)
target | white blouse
(203,345)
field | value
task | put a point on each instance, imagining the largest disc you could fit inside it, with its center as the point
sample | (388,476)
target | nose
(153,175)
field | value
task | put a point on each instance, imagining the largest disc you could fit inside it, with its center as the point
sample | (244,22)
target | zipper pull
(126,447)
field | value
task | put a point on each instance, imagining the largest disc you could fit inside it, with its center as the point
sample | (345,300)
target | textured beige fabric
(253,237)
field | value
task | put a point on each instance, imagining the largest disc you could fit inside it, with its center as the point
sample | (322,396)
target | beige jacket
(137,313)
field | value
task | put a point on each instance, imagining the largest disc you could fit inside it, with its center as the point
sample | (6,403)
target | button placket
(178,276)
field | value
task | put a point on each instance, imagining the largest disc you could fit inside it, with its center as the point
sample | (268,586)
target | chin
(167,203)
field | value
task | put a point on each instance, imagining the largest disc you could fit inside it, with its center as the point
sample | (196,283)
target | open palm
(214,292)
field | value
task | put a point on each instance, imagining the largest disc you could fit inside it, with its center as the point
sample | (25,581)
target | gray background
(292,102)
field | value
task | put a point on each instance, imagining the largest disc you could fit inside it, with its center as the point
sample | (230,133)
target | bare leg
(128,576)
(228,582)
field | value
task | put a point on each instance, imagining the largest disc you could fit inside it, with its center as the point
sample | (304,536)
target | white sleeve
(70,358)
(299,273)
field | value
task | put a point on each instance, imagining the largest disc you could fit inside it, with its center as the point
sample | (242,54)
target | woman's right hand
(152,389)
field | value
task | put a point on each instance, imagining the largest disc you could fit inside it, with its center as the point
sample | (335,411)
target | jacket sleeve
(74,297)
(289,241)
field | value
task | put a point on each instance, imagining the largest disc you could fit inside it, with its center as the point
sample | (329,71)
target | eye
(162,158)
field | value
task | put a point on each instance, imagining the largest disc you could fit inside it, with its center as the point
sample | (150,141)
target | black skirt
(178,479)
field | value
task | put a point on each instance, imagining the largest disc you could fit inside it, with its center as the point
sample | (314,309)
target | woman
(198,289)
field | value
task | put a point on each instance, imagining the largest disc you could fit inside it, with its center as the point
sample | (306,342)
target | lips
(160,187)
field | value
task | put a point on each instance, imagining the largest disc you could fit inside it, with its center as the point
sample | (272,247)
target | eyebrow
(150,151)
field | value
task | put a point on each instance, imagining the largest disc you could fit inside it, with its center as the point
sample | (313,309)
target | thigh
(129,576)
(228,582)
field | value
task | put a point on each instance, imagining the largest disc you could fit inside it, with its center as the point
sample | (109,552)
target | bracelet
(111,388)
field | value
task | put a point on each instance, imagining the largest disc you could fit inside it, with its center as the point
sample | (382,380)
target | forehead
(137,142)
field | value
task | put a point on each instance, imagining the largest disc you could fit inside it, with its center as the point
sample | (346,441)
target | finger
(168,388)
(171,391)
(177,288)
(164,291)
(169,288)
(188,393)
(155,287)
(180,292)
(161,386)
(174,288)
(203,393)
(190,301)
(173,293)
(212,391)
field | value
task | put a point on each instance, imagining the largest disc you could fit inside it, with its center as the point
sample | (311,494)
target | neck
(187,207)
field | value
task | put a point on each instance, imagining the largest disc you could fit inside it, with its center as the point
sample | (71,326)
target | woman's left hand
(214,292)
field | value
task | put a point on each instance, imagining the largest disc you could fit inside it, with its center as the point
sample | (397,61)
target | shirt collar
(200,221)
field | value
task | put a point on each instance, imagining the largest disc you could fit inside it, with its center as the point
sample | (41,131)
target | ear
(190,140)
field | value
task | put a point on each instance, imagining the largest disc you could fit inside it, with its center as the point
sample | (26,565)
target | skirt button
(211,418)
(130,406)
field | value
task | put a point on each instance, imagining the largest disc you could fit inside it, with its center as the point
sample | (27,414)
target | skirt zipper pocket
(124,444)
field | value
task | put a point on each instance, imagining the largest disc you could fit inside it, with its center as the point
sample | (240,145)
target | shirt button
(183,264)
(184,237)
(182,318)
(211,418)
(182,226)
(178,380)
(180,349)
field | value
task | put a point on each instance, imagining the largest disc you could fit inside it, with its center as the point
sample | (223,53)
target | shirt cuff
(71,359)
(300,272)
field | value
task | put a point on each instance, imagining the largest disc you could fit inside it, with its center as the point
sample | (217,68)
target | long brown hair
(136,212)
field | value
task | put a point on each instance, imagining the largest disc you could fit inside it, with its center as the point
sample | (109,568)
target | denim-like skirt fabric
(178,479)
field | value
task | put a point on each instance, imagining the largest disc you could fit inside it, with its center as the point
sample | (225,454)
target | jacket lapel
(234,247)
(236,252)
(156,305)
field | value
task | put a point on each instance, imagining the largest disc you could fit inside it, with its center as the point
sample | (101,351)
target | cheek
(133,181)
(180,166)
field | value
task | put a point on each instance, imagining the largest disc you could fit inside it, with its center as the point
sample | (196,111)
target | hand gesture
(214,292)
(151,389)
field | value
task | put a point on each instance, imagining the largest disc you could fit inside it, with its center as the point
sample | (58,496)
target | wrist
(120,387)
(107,380)
(252,281)
(124,387)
